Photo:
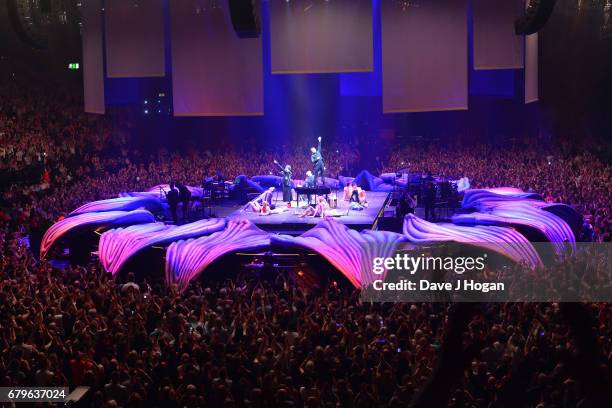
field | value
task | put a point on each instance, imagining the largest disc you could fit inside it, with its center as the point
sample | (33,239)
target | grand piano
(312,191)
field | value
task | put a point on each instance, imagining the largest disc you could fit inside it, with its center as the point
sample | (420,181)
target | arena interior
(233,203)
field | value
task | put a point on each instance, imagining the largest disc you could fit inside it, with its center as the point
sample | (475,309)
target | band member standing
(317,162)
(407,205)
(286,172)
(184,197)
(172,196)
(430,197)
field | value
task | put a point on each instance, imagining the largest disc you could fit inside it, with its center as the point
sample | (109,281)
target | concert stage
(122,228)
(288,221)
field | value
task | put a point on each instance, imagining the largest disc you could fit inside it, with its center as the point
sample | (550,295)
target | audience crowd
(270,343)
(580,180)
(263,343)
(39,124)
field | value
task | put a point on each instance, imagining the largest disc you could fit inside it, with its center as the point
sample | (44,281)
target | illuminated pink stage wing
(486,201)
(505,241)
(120,204)
(501,213)
(186,259)
(349,251)
(472,197)
(118,245)
(91,221)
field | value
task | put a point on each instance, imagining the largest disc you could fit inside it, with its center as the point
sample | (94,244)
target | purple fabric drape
(496,46)
(214,73)
(134,38)
(320,36)
(93,64)
(424,56)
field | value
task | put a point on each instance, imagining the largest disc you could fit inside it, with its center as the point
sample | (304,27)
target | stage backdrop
(496,46)
(531,68)
(424,56)
(134,38)
(93,63)
(214,73)
(320,36)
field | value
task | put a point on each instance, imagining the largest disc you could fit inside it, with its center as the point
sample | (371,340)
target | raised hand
(319,139)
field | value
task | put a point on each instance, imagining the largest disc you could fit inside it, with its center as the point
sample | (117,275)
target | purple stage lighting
(118,245)
(91,221)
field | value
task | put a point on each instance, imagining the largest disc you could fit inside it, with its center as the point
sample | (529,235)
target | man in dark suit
(430,197)
(184,197)
(287,173)
(172,196)
(317,161)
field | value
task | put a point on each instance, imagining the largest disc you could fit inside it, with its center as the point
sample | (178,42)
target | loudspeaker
(45,6)
(536,15)
(245,20)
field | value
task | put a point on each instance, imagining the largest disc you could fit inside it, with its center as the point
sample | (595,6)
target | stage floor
(289,222)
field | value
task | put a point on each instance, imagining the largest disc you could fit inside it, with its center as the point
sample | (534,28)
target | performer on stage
(407,204)
(317,162)
(219,178)
(286,172)
(321,210)
(430,197)
(184,197)
(263,202)
(172,196)
(309,182)
(357,198)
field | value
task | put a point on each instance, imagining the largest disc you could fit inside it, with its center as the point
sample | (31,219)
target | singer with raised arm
(286,183)
(317,162)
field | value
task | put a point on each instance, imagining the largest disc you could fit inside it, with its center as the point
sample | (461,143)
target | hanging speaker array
(245,18)
(536,15)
